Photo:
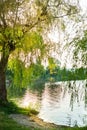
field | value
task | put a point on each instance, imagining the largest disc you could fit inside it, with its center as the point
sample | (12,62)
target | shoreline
(34,121)
(46,124)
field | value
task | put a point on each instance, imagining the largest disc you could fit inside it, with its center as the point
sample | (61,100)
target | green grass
(83,128)
(11,107)
(7,123)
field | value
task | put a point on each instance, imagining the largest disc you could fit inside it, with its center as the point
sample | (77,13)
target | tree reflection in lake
(62,103)
(30,99)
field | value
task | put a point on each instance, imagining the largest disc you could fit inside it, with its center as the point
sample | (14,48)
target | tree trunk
(3,91)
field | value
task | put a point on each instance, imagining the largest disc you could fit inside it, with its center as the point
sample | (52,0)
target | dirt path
(32,121)
(24,120)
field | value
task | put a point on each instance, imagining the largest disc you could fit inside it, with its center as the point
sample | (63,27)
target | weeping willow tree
(19,22)
(80,53)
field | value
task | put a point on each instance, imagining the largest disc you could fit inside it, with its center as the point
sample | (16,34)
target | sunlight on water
(65,104)
(29,100)
(61,103)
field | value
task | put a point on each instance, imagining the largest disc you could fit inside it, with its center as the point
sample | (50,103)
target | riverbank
(24,122)
(34,121)
(19,119)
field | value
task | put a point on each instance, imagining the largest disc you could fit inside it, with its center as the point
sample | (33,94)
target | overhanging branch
(61,16)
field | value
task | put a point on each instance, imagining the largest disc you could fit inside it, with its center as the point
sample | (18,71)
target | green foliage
(32,73)
(32,41)
(52,65)
(82,44)
(62,74)
(18,29)
(22,76)
(7,5)
(10,39)
(16,68)
(1,38)
(81,47)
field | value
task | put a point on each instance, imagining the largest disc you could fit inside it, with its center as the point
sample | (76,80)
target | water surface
(62,103)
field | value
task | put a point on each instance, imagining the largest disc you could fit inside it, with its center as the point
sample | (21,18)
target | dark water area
(62,103)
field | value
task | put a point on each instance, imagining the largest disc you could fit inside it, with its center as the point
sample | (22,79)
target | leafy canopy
(19,22)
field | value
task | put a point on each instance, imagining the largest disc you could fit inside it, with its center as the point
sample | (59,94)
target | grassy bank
(6,123)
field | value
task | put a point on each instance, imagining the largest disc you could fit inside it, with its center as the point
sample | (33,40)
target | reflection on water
(30,99)
(62,103)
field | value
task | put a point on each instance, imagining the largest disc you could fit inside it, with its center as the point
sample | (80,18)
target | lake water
(62,103)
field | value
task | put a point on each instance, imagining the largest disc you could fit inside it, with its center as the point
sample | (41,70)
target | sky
(56,36)
(83,4)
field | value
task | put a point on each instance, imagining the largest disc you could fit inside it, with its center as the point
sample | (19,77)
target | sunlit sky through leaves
(83,4)
(57,36)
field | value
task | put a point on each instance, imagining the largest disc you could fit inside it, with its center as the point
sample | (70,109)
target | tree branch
(61,16)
